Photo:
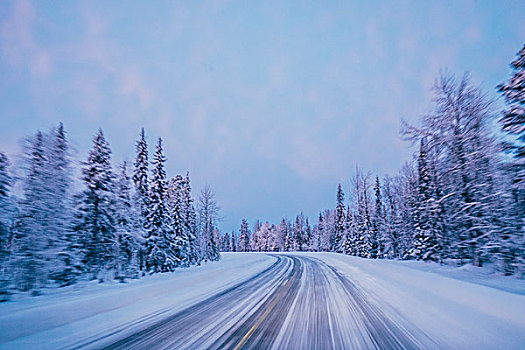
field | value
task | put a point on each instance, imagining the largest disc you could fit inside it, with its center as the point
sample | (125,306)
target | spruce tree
(59,183)
(97,209)
(175,206)
(5,213)
(190,221)
(513,118)
(141,195)
(31,229)
(64,269)
(212,248)
(298,233)
(307,236)
(244,238)
(160,245)
(512,238)
(378,225)
(320,233)
(285,231)
(127,243)
(233,247)
(350,234)
(339,227)
(424,239)
(226,243)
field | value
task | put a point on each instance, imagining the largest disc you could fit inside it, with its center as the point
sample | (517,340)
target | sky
(271,103)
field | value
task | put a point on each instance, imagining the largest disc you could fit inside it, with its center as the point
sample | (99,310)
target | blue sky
(272,103)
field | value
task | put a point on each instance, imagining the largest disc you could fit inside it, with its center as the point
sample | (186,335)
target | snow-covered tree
(5,213)
(190,222)
(233,245)
(286,233)
(208,215)
(378,222)
(141,195)
(513,118)
(350,239)
(298,233)
(176,212)
(31,235)
(96,210)
(160,243)
(225,243)
(319,232)
(461,154)
(127,241)
(512,239)
(212,248)
(244,237)
(425,245)
(339,227)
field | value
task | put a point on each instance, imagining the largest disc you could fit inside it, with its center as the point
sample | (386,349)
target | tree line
(461,199)
(119,226)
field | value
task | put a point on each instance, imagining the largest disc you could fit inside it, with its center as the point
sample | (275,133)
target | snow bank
(456,313)
(71,317)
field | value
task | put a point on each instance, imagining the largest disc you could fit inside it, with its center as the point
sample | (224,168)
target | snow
(450,305)
(73,315)
(457,308)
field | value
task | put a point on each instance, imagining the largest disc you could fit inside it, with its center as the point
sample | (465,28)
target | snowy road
(297,303)
(279,301)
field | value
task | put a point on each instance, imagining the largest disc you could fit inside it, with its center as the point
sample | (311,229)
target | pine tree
(328,230)
(140,176)
(392,219)
(339,228)
(190,221)
(320,233)
(284,228)
(307,236)
(141,195)
(60,182)
(226,243)
(418,249)
(377,226)
(5,213)
(212,248)
(30,270)
(64,267)
(127,243)
(298,233)
(513,119)
(160,245)
(244,238)
(350,234)
(176,206)
(233,246)
(512,238)
(96,211)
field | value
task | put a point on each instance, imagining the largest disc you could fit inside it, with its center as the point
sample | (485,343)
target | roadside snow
(458,312)
(68,317)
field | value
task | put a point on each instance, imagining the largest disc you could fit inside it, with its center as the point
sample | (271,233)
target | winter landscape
(229,175)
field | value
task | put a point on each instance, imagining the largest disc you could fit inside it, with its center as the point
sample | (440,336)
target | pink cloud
(18,45)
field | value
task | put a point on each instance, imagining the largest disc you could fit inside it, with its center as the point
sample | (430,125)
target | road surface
(297,303)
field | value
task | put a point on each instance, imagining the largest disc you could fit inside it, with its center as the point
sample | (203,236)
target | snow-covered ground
(76,314)
(453,306)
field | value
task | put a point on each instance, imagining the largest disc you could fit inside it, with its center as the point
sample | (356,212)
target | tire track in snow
(297,303)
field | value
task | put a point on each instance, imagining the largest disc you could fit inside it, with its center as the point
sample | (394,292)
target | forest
(119,226)
(460,200)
